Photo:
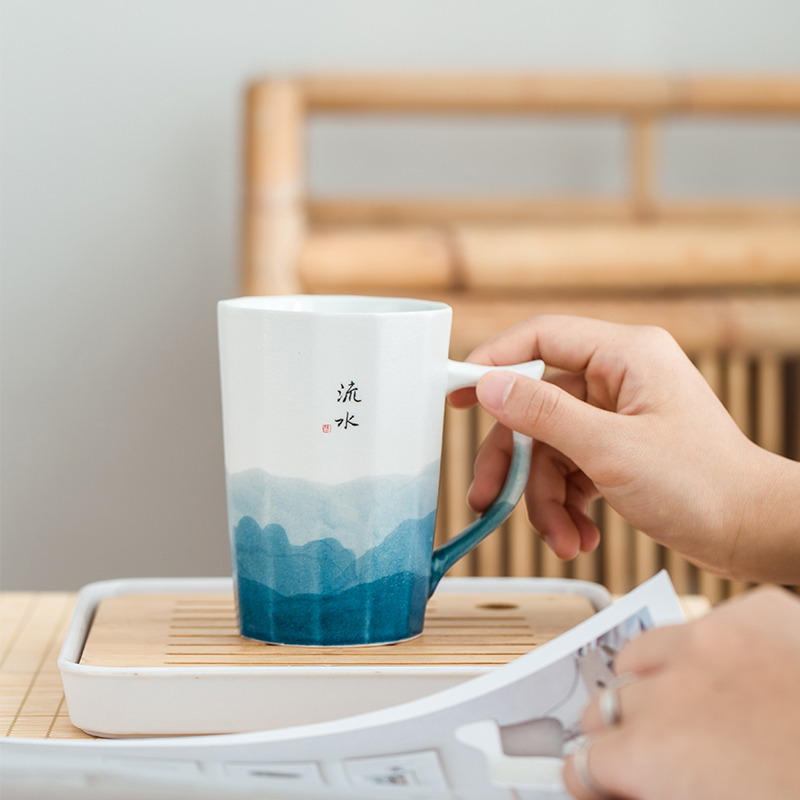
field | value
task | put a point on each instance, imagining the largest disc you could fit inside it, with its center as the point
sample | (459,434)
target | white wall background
(120,205)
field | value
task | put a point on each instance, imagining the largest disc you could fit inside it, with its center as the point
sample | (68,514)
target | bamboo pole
(552,256)
(386,210)
(489,553)
(384,258)
(457,478)
(440,531)
(738,390)
(643,166)
(712,586)
(700,323)
(487,93)
(796,411)
(446,210)
(618,256)
(522,560)
(585,567)
(617,551)
(274,217)
(729,211)
(742,95)
(379,210)
(467,93)
(679,570)
(646,556)
(550,564)
(771,389)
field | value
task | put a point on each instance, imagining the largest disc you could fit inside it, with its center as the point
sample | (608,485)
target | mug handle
(460,375)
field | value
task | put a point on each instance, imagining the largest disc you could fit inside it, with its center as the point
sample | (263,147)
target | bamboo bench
(723,278)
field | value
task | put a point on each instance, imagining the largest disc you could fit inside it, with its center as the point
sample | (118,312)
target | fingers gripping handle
(461,376)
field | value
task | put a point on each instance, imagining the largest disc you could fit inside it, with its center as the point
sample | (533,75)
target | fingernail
(469,492)
(494,389)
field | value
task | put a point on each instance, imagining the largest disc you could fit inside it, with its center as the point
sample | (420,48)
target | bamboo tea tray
(155,657)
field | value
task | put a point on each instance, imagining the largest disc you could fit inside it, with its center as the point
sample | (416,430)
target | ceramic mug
(333,409)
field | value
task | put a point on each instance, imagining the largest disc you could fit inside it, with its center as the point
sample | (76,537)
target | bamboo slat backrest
(722,277)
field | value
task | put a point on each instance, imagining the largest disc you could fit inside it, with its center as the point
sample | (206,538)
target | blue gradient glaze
(321,592)
(347,564)
(387,610)
(359,513)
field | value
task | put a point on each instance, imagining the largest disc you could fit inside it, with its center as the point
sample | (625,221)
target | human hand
(713,714)
(632,419)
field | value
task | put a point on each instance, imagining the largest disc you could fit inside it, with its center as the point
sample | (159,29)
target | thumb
(547,413)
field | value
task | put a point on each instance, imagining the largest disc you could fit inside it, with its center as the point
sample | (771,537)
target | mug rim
(334,304)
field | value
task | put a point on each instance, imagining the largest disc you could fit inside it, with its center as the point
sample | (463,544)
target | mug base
(315,646)
(385,611)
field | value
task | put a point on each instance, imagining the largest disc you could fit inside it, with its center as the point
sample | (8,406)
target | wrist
(767,520)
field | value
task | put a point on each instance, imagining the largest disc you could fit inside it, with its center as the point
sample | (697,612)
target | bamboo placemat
(185,630)
(32,627)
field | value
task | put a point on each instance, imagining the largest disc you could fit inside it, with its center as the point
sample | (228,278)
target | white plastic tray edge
(121,701)
(92,594)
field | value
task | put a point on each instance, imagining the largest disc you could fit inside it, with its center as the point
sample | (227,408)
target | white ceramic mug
(333,410)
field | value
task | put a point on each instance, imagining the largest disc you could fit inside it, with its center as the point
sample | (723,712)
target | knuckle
(718,637)
(770,597)
(541,406)
(657,334)
(661,340)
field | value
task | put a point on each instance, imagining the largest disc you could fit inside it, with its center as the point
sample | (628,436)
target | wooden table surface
(32,628)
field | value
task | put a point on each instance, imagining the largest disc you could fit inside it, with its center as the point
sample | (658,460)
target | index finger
(561,341)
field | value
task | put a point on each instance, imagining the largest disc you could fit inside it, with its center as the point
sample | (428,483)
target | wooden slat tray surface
(184,630)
